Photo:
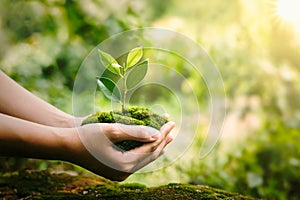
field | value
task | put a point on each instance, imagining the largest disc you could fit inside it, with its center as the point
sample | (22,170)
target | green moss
(139,113)
(170,191)
(44,185)
(133,115)
(30,182)
(132,186)
(62,196)
(90,120)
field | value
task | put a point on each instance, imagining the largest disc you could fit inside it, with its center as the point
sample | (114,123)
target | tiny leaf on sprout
(133,57)
(128,78)
(136,74)
(110,63)
(109,89)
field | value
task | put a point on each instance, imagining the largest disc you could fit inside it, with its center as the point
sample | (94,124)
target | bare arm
(27,139)
(18,102)
(30,127)
(90,146)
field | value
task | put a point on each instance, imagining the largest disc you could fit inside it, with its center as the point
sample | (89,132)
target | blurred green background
(255,44)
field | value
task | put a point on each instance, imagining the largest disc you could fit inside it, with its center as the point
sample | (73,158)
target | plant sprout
(129,74)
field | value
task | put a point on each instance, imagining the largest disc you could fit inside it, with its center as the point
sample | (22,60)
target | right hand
(93,149)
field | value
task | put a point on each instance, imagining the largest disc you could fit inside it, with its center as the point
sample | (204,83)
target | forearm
(26,139)
(20,138)
(18,102)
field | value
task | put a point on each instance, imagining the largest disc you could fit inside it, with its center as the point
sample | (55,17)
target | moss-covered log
(44,185)
(133,115)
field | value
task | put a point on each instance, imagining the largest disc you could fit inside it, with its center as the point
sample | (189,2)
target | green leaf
(109,89)
(133,57)
(136,74)
(110,63)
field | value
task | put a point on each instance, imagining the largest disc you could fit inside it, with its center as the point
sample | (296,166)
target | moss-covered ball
(132,115)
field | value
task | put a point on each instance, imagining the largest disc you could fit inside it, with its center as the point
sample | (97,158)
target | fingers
(130,161)
(152,156)
(163,140)
(119,132)
(165,131)
(139,157)
(166,128)
(166,116)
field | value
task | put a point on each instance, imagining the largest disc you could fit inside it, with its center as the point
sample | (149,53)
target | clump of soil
(132,115)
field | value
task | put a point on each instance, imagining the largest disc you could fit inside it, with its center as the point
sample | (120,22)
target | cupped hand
(93,148)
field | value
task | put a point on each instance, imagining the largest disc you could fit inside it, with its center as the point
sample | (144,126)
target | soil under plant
(133,115)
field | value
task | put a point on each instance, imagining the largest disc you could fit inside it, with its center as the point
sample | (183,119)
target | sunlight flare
(289,11)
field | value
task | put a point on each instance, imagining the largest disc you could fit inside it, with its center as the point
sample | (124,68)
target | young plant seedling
(129,75)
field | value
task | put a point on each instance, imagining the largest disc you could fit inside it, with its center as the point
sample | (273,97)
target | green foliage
(109,89)
(110,63)
(134,56)
(128,80)
(136,75)
(267,167)
(44,42)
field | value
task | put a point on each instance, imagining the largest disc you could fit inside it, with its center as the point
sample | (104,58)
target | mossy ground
(44,185)
(133,115)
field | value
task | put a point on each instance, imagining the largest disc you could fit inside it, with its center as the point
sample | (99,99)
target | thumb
(136,132)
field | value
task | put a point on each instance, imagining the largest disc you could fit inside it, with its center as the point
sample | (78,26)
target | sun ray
(288,11)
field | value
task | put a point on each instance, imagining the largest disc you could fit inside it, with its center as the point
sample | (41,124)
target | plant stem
(124,94)
(124,90)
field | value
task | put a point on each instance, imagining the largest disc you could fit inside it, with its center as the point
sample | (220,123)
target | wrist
(70,144)
(66,122)
(72,122)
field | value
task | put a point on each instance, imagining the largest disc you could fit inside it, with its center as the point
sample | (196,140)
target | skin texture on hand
(27,139)
(31,127)
(95,150)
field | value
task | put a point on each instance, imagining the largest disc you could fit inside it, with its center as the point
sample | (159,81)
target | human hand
(93,148)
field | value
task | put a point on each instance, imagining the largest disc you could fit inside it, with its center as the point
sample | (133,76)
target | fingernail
(166,116)
(168,125)
(170,139)
(171,123)
(155,136)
